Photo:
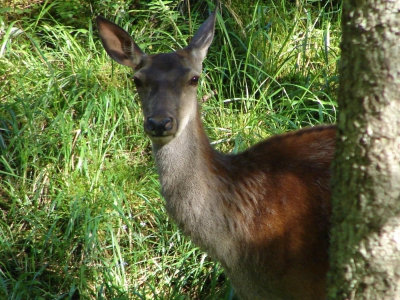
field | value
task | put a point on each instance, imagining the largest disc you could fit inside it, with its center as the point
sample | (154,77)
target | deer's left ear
(199,44)
(118,43)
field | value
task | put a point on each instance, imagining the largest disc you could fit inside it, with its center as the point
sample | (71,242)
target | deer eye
(137,81)
(194,80)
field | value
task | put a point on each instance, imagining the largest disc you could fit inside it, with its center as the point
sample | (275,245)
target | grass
(81,214)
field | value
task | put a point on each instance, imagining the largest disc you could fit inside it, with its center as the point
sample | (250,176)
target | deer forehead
(168,67)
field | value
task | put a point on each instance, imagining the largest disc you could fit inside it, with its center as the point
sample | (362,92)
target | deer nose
(159,126)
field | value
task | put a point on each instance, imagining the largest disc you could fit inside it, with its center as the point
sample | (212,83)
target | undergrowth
(81,214)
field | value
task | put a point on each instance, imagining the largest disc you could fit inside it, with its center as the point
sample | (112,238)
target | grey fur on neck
(193,193)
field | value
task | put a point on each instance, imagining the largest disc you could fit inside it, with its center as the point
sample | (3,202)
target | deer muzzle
(160,126)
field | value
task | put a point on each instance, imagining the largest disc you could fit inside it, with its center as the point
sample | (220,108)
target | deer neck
(190,173)
(183,166)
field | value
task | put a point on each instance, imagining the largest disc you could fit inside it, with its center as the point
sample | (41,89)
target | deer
(263,213)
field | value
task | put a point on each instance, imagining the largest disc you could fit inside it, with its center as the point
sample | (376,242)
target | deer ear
(200,42)
(118,43)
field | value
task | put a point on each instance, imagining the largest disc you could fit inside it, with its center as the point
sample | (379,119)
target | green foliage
(81,215)
(278,72)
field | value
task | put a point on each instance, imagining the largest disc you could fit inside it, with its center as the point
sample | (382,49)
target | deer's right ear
(118,43)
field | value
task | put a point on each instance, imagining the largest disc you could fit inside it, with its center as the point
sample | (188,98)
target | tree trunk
(365,244)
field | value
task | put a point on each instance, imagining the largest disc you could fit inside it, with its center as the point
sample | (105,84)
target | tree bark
(365,243)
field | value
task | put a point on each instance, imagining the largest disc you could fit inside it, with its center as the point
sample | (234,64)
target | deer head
(166,82)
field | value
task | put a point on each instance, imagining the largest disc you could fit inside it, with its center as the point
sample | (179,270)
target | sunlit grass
(80,210)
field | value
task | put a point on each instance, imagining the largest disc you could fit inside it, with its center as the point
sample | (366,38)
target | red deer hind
(263,213)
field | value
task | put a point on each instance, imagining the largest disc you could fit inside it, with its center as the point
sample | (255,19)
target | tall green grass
(80,212)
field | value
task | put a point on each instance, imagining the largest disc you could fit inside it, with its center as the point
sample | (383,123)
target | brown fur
(272,203)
